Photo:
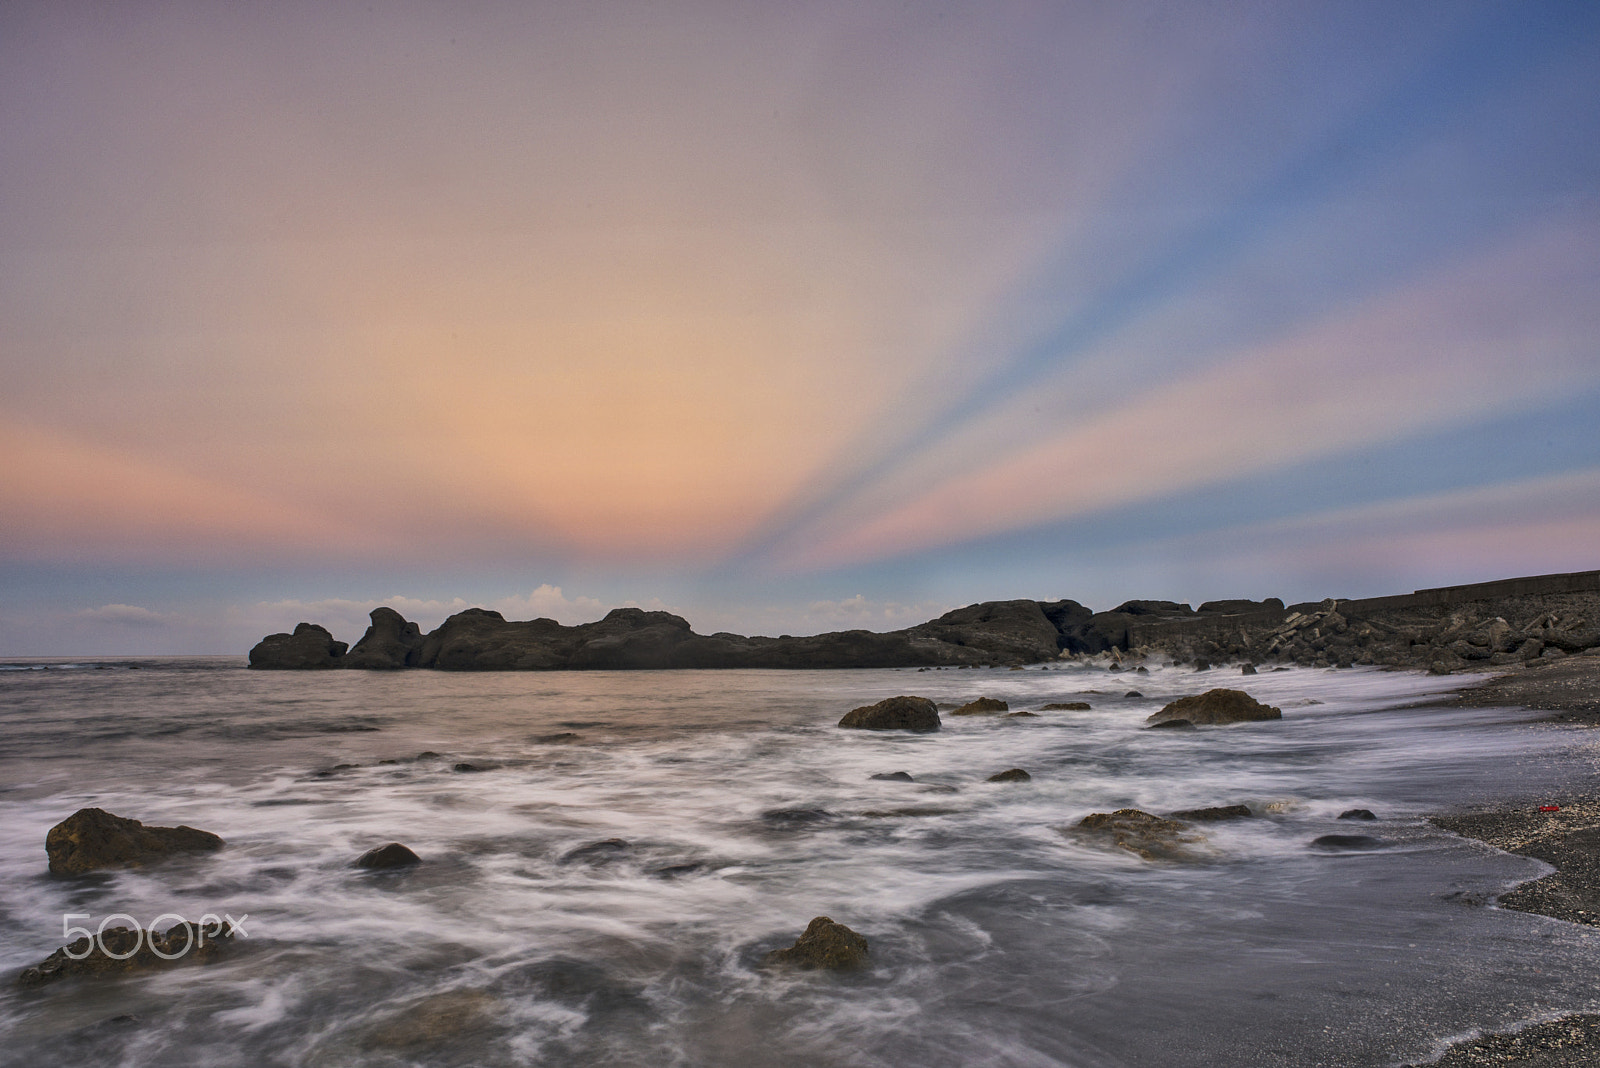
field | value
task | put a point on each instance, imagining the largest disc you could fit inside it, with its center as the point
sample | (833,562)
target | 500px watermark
(210,927)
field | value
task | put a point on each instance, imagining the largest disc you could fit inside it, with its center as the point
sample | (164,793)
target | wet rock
(1138,832)
(1133,693)
(1202,665)
(1172,725)
(120,950)
(894,714)
(466,767)
(559,738)
(1248,669)
(981,707)
(1216,707)
(435,1020)
(1010,775)
(92,838)
(601,851)
(391,642)
(1357,814)
(309,647)
(387,858)
(894,776)
(1014,715)
(1213,815)
(824,944)
(1067,706)
(1346,841)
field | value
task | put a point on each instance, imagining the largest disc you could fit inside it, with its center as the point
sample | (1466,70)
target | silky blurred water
(996,939)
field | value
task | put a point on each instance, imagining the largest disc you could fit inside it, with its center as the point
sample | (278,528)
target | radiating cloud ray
(1490,53)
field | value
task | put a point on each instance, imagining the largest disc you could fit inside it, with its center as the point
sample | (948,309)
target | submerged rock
(601,851)
(824,944)
(435,1020)
(387,858)
(119,950)
(893,776)
(1140,833)
(981,707)
(310,646)
(92,838)
(1067,706)
(1010,775)
(1357,814)
(894,714)
(1216,707)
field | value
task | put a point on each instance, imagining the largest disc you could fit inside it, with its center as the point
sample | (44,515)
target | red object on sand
(1549,808)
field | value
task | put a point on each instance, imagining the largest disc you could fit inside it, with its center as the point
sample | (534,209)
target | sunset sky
(786,317)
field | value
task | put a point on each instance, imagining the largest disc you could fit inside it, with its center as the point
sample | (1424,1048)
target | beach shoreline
(1567,838)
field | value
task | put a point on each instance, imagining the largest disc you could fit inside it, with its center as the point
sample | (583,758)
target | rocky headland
(1490,624)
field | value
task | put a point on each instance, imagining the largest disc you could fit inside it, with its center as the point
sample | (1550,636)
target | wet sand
(1568,840)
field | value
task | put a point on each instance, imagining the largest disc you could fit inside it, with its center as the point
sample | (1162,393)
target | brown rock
(1067,706)
(92,838)
(1212,815)
(894,714)
(435,1020)
(981,707)
(824,944)
(129,950)
(1010,775)
(1216,707)
(1140,833)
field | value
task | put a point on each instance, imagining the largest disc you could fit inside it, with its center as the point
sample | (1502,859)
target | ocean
(608,856)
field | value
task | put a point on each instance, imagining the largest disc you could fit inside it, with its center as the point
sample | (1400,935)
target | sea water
(608,856)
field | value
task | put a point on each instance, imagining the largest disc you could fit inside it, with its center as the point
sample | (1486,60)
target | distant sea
(608,857)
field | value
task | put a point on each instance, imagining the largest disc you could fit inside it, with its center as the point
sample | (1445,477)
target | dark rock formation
(1215,707)
(1357,814)
(893,776)
(824,944)
(894,714)
(387,858)
(1346,841)
(983,706)
(120,950)
(1140,833)
(1003,630)
(1010,775)
(391,642)
(310,646)
(1213,815)
(92,838)
(1508,623)
(1067,706)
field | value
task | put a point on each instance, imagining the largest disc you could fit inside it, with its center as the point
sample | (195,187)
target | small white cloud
(130,615)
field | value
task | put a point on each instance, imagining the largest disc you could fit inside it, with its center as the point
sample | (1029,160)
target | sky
(784,317)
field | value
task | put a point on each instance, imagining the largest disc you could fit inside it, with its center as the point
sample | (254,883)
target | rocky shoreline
(1564,833)
(1493,624)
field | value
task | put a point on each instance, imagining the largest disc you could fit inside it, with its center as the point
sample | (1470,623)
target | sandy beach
(1567,839)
